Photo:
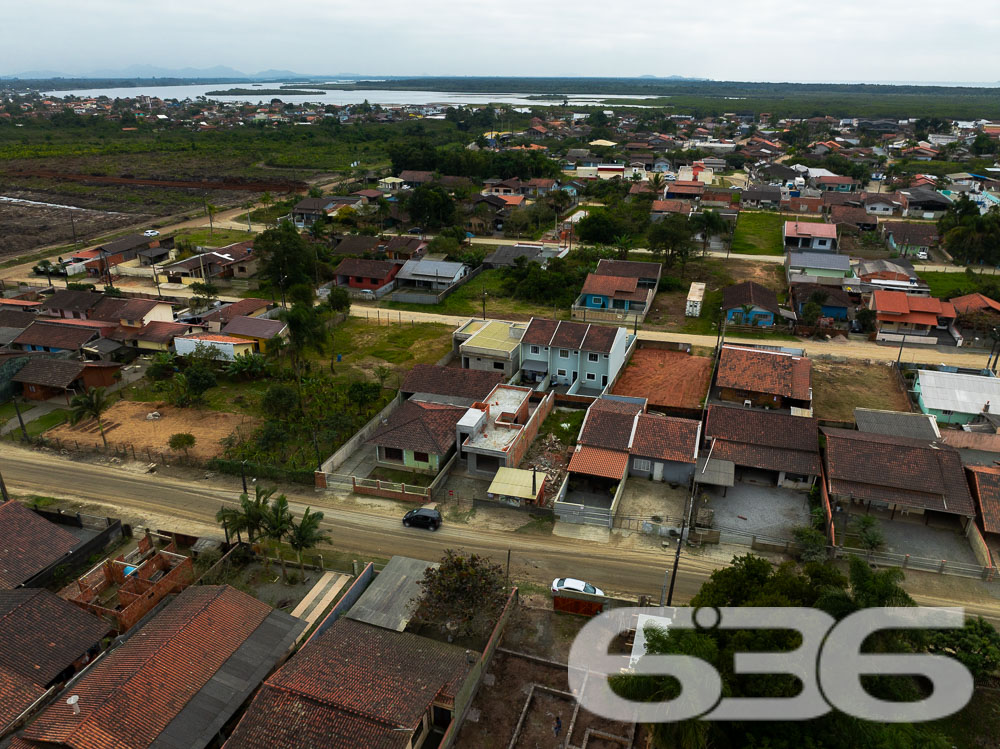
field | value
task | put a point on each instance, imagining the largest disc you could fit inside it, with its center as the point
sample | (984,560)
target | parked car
(368,295)
(922,254)
(151,233)
(423,517)
(577,586)
(416,230)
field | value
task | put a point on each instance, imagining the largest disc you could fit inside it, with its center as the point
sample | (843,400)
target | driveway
(918,540)
(760,510)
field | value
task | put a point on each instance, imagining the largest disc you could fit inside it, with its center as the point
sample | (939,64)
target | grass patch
(539,525)
(410,478)
(40,500)
(947,285)
(454,515)
(47,421)
(762,233)
(467,300)
(364,345)
(565,425)
(840,387)
(8,412)
(218,238)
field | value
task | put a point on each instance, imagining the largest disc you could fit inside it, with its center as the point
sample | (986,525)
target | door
(657,471)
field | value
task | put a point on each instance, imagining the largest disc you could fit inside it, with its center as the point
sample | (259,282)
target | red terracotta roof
(985,484)
(236,309)
(134,692)
(974,303)
(898,305)
(423,427)
(770,372)
(214,338)
(666,438)
(670,206)
(898,470)
(614,287)
(28,543)
(365,268)
(599,461)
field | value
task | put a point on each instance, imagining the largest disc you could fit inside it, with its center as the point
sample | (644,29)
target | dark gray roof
(388,601)
(76,301)
(505,256)
(58,373)
(203,717)
(127,243)
(255,327)
(824,260)
(897,423)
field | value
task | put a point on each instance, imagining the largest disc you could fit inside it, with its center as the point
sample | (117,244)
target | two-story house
(572,357)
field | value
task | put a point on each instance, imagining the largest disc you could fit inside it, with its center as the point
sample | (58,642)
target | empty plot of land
(668,379)
(839,387)
(125,423)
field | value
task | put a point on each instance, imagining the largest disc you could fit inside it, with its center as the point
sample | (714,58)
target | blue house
(749,303)
(836,303)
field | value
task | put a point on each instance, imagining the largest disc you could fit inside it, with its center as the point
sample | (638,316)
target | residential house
(816,265)
(364,275)
(19,305)
(191,667)
(44,640)
(647,275)
(895,273)
(879,204)
(356,245)
(853,217)
(539,186)
(259,330)
(362,680)
(660,208)
(766,446)
(664,448)
(390,184)
(496,432)
(418,436)
(749,303)
(835,183)
(899,312)
(54,337)
(956,397)
(31,545)
(836,303)
(683,190)
(310,210)
(576,358)
(462,387)
(973,310)
(923,202)
(12,323)
(600,460)
(413,178)
(403,248)
(222,347)
(122,250)
(132,313)
(434,275)
(765,379)
(487,214)
(216,319)
(984,485)
(491,345)
(806,235)
(611,294)
(763,196)
(896,475)
(69,304)
(236,260)
(803,204)
(44,378)
(153,336)
(910,238)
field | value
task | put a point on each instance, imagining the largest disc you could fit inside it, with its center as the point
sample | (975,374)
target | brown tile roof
(609,423)
(910,233)
(53,335)
(237,309)
(471,384)
(627,269)
(129,697)
(254,327)
(969,303)
(599,461)
(156,331)
(57,373)
(423,427)
(41,636)
(764,439)
(898,470)
(749,293)
(28,543)
(569,335)
(114,310)
(356,244)
(668,379)
(14,319)
(835,297)
(671,206)
(364,268)
(600,339)
(985,484)
(849,214)
(72,301)
(351,687)
(666,438)
(614,287)
(770,372)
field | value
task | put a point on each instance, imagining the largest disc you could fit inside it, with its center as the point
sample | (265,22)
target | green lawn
(467,300)
(762,233)
(554,424)
(7,411)
(401,477)
(47,421)
(947,285)
(218,238)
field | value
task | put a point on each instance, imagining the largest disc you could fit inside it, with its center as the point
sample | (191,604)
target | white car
(574,585)
(151,233)
(922,254)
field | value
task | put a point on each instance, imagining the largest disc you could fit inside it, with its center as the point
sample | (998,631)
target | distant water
(385,97)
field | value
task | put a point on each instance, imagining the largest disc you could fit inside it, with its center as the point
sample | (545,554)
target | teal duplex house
(955,397)
(572,357)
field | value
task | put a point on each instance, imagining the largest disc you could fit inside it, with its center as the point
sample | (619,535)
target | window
(605,356)
(393,453)
(593,357)
(588,588)
(591,376)
(563,353)
(421,457)
(498,365)
(561,372)
(535,350)
(642,465)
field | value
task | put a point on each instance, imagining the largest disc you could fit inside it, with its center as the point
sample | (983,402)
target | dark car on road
(423,517)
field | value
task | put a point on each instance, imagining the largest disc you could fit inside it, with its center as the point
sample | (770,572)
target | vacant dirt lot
(125,423)
(840,387)
(26,226)
(669,379)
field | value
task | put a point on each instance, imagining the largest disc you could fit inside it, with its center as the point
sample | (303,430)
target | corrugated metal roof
(898,423)
(954,391)
(516,482)
(388,601)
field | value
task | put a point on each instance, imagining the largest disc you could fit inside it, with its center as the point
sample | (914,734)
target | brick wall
(520,448)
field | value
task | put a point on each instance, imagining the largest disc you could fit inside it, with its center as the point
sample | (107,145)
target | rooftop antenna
(74,702)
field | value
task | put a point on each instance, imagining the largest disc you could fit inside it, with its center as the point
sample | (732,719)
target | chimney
(74,702)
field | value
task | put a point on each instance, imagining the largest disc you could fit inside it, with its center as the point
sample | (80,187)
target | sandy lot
(669,379)
(125,424)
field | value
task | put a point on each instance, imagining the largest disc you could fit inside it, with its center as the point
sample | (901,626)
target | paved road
(191,505)
(847,349)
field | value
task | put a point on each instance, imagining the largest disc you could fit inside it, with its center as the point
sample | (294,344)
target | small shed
(515,486)
(694,299)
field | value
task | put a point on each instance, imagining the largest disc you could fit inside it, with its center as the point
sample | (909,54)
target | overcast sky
(772,40)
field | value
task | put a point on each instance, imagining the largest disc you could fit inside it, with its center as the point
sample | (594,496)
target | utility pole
(243,475)
(484,300)
(3,489)
(20,420)
(72,223)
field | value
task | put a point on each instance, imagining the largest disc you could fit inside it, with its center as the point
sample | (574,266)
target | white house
(224,347)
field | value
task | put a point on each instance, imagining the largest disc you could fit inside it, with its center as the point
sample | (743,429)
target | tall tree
(708,223)
(431,207)
(90,405)
(306,534)
(277,524)
(307,331)
(285,257)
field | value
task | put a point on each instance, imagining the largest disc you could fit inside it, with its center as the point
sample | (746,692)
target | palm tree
(248,515)
(708,224)
(232,520)
(277,524)
(306,534)
(211,210)
(90,405)
(624,243)
(656,182)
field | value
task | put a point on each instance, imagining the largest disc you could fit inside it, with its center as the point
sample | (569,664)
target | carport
(715,472)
